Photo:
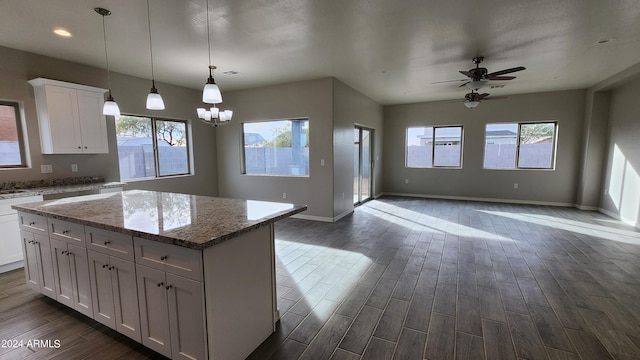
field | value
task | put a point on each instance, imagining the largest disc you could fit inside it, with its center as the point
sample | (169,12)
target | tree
(531,133)
(171,132)
(283,137)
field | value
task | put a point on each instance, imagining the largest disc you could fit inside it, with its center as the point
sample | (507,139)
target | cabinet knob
(168,287)
(106,243)
(85,147)
(163,258)
(160,284)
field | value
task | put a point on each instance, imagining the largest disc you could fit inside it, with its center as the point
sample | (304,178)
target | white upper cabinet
(70,117)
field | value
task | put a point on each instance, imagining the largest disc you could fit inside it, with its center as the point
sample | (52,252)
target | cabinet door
(45,264)
(30,261)
(64,123)
(101,289)
(80,279)
(93,125)
(187,318)
(62,272)
(125,297)
(154,310)
(11,244)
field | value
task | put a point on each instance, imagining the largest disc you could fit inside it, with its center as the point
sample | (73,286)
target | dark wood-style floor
(413,279)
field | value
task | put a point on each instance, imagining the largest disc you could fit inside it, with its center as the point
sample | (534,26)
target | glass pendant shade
(471,104)
(154,100)
(201,112)
(215,112)
(211,93)
(110,107)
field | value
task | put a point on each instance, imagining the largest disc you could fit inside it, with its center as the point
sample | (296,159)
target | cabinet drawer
(33,223)
(67,231)
(109,242)
(170,258)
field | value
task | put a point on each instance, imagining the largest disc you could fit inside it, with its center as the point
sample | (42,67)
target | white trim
(587,208)
(509,201)
(348,212)
(631,222)
(11,266)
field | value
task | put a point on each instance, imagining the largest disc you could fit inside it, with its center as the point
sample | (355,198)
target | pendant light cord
(150,46)
(208,33)
(106,54)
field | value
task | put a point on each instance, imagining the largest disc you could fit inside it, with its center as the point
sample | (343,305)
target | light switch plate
(46,169)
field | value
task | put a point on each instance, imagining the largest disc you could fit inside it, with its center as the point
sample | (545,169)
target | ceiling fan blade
(482,96)
(505,71)
(464,84)
(466,73)
(446,81)
(495,98)
(501,78)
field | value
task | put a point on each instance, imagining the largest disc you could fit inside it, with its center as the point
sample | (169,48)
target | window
(520,145)
(423,151)
(12,152)
(276,147)
(149,147)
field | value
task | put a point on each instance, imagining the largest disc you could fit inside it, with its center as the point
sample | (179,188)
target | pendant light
(110,106)
(211,92)
(154,100)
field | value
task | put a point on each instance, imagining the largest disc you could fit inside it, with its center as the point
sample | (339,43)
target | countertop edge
(161,238)
(60,189)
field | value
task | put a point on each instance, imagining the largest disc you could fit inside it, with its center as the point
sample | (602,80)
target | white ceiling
(390,50)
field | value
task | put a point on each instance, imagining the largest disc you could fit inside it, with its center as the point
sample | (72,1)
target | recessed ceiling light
(62,32)
(604,41)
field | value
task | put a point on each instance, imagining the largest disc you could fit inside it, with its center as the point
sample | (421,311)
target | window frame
(554,146)
(154,142)
(22,143)
(433,147)
(243,160)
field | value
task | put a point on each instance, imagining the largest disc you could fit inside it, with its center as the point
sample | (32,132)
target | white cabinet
(11,252)
(171,297)
(113,281)
(71,272)
(70,117)
(38,267)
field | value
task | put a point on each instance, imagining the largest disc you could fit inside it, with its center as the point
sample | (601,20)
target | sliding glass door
(363,165)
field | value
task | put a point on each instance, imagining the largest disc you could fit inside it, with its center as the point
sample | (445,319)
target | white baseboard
(11,266)
(312,217)
(507,201)
(587,208)
(348,212)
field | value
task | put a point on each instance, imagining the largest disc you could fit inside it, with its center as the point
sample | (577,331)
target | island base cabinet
(38,267)
(71,272)
(172,319)
(114,293)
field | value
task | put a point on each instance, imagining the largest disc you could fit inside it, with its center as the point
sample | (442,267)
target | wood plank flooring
(407,278)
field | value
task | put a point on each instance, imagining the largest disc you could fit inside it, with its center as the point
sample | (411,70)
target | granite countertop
(18,189)
(185,220)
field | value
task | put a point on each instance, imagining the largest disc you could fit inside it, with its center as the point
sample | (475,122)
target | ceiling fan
(479,76)
(473,99)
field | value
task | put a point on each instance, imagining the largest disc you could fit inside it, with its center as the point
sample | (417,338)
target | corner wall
(556,187)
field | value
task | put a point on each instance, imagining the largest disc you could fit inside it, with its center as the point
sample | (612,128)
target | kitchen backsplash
(31,184)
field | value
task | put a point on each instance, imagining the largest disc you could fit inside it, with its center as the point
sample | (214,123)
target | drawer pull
(105,266)
(65,232)
(69,253)
(168,287)
(111,268)
(31,223)
(163,258)
(106,243)
(160,284)
(31,241)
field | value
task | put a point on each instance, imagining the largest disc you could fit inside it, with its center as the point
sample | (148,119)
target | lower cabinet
(71,272)
(171,313)
(114,293)
(38,266)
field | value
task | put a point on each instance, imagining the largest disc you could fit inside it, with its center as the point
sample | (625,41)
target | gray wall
(353,108)
(472,181)
(621,181)
(306,99)
(130,92)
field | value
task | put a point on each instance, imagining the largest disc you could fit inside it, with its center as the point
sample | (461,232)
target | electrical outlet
(322,162)
(343,195)
(46,169)
(74,167)
(284,195)
(515,185)
(406,181)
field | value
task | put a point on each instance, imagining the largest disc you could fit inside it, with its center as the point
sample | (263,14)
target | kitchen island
(187,276)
